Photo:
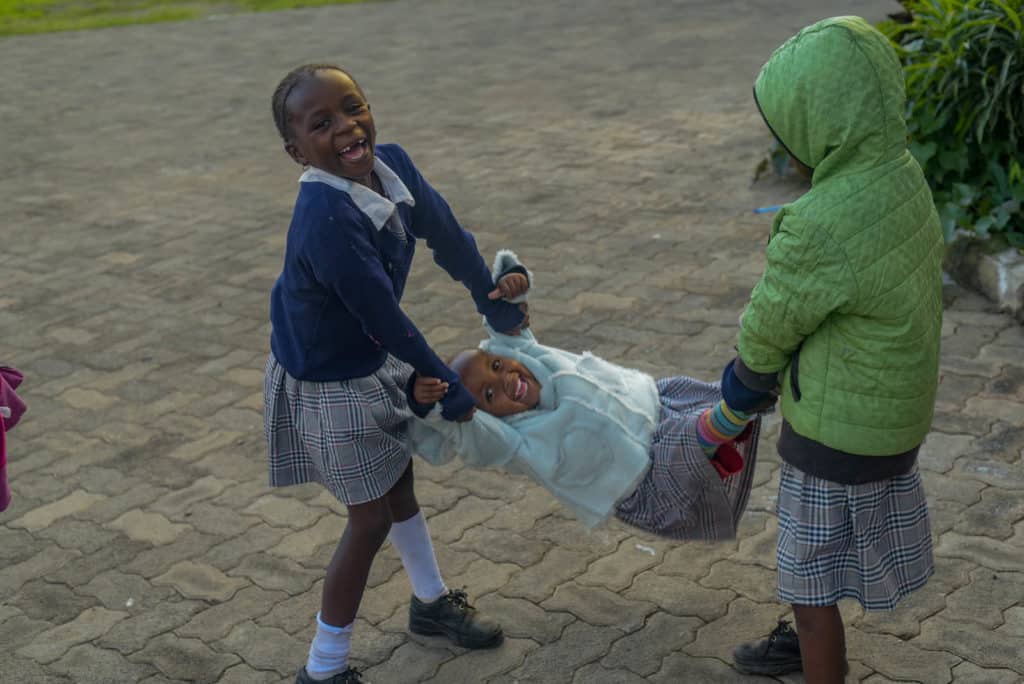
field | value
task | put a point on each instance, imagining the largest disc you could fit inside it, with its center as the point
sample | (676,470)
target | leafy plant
(964,64)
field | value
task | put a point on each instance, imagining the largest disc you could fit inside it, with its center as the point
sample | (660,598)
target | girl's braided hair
(301,74)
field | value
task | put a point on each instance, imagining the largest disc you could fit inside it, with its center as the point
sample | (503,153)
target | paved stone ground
(145,200)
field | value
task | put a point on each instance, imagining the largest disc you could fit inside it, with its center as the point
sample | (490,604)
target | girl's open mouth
(355,151)
(520,390)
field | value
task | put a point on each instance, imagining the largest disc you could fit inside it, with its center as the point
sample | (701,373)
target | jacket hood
(834,96)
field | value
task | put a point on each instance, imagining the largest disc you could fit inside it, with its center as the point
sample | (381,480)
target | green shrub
(964,63)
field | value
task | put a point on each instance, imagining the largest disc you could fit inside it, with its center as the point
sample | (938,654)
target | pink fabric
(10,378)
(5,490)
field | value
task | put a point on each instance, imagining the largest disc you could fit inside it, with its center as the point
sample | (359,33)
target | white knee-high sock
(412,539)
(328,654)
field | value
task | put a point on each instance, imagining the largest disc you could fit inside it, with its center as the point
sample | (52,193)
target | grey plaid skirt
(682,496)
(870,542)
(350,436)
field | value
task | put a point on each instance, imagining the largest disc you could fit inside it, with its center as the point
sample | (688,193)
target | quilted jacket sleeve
(806,278)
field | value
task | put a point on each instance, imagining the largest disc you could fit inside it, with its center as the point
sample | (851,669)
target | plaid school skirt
(682,496)
(870,542)
(350,436)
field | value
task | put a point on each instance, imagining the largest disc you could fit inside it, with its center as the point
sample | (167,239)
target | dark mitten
(727,461)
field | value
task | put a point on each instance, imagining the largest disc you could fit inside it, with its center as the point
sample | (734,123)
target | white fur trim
(503,261)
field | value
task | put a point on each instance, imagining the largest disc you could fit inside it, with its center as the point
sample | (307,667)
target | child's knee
(370,525)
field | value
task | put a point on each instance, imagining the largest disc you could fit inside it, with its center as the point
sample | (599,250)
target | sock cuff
(331,628)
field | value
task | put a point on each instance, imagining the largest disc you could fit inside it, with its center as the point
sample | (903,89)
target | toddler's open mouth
(355,151)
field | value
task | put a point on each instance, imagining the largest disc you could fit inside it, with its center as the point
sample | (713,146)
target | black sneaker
(779,654)
(452,616)
(349,676)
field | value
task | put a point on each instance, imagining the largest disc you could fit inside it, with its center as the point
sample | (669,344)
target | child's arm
(352,268)
(455,249)
(807,277)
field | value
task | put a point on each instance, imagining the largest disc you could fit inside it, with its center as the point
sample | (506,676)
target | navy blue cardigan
(335,307)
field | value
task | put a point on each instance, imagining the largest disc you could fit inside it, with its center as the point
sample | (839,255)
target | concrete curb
(998,276)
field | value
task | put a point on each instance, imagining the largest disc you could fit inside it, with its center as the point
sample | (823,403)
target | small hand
(428,391)
(510,287)
(467,416)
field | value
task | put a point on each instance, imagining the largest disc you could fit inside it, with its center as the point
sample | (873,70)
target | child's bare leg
(402,498)
(368,526)
(822,643)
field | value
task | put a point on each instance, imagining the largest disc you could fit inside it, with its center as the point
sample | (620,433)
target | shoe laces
(781,630)
(353,675)
(459,599)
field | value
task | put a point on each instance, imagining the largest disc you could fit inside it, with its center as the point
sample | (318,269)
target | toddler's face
(500,385)
(331,125)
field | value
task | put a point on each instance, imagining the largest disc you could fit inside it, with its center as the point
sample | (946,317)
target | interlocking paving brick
(50,601)
(598,674)
(745,621)
(264,648)
(243,674)
(901,660)
(42,564)
(410,662)
(642,651)
(479,666)
(556,662)
(200,581)
(87,664)
(189,660)
(228,554)
(216,622)
(599,606)
(679,667)
(523,619)
(173,504)
(151,528)
(753,581)
(290,613)
(281,512)
(449,526)
(482,576)
(44,516)
(272,572)
(991,649)
(617,570)
(20,669)
(55,642)
(969,673)
(989,553)
(940,451)
(501,546)
(302,544)
(680,596)
(157,560)
(130,635)
(539,581)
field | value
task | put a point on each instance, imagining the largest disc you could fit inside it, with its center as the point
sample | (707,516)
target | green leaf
(983,225)
(923,151)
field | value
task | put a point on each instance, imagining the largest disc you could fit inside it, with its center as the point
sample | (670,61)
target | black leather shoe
(779,654)
(349,676)
(452,616)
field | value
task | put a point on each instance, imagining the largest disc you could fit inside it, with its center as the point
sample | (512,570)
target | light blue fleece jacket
(588,442)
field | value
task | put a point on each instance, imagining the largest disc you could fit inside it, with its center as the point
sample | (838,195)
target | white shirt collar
(378,209)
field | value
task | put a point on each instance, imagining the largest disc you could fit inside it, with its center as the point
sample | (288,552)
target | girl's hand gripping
(428,391)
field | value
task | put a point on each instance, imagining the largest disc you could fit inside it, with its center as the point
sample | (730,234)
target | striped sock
(719,425)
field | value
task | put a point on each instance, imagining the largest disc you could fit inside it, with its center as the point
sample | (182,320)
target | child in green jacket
(845,324)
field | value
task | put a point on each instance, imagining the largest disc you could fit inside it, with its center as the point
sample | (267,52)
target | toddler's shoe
(779,654)
(452,616)
(349,676)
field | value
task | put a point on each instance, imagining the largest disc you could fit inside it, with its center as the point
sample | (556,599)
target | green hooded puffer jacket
(850,304)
